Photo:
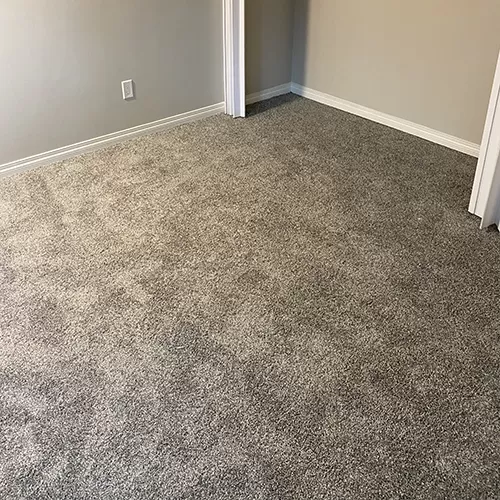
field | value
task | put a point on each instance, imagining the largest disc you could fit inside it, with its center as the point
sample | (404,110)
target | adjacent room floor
(292,306)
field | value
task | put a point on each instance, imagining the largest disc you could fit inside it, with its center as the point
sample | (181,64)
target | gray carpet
(292,306)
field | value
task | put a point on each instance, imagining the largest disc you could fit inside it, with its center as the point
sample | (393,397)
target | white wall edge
(269,93)
(106,140)
(234,57)
(421,131)
(484,176)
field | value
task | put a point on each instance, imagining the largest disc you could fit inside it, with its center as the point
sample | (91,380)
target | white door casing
(234,57)
(485,199)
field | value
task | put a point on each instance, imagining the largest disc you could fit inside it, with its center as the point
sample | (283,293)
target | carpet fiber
(292,306)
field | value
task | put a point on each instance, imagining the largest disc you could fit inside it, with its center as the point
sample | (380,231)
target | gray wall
(269,42)
(62,63)
(428,61)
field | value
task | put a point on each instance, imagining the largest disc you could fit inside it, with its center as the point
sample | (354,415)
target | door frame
(234,57)
(485,194)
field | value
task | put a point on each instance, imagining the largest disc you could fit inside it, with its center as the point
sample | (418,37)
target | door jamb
(234,57)
(488,156)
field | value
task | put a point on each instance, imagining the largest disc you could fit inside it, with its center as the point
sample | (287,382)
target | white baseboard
(269,93)
(173,121)
(391,121)
(107,140)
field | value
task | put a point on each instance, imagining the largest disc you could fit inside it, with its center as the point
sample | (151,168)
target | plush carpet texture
(292,306)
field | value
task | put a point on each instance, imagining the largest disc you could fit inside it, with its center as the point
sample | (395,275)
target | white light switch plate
(128,89)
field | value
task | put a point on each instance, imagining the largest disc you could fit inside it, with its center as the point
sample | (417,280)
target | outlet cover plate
(128,89)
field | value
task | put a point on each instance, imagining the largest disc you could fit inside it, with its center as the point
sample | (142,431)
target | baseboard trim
(174,121)
(107,140)
(432,135)
(269,93)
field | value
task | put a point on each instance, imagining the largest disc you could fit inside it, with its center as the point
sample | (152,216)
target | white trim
(234,57)
(391,121)
(486,165)
(269,93)
(106,140)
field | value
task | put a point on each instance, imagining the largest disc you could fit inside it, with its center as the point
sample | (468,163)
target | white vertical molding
(485,198)
(234,57)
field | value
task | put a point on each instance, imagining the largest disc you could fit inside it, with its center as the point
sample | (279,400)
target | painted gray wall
(269,43)
(427,61)
(62,63)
